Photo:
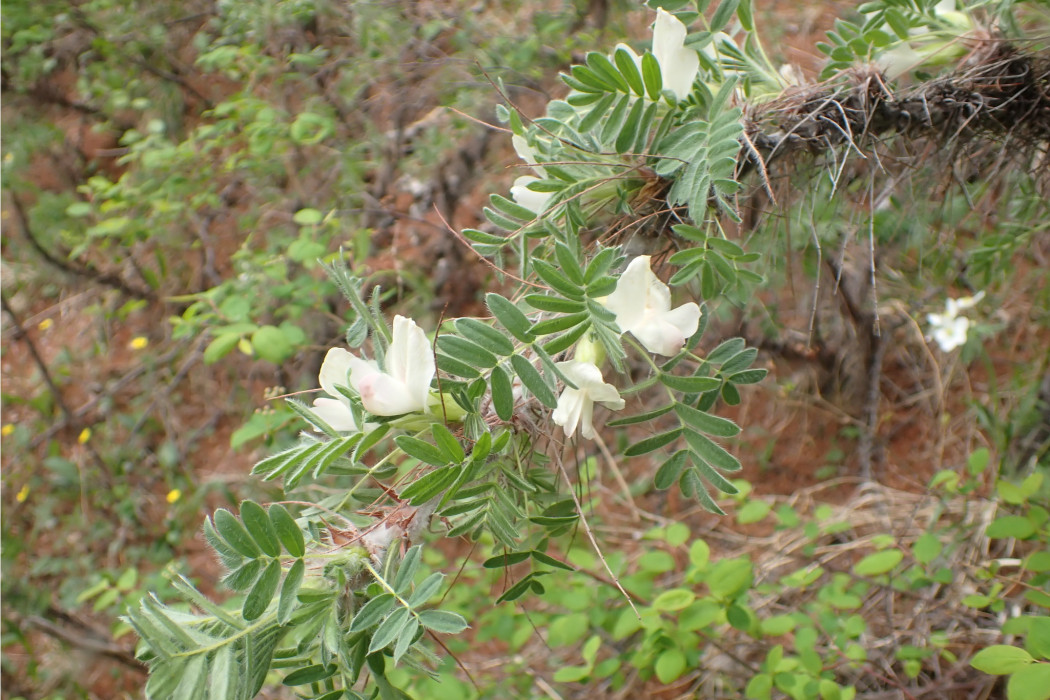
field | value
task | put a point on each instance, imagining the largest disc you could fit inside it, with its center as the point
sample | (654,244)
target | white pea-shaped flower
(402,387)
(576,406)
(642,304)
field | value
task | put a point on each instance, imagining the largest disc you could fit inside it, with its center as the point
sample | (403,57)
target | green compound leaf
(652,76)
(287,530)
(466,351)
(705,422)
(262,592)
(389,629)
(509,316)
(485,335)
(372,612)
(691,385)
(232,531)
(502,393)
(258,524)
(654,442)
(713,454)
(670,470)
(288,599)
(533,381)
(442,621)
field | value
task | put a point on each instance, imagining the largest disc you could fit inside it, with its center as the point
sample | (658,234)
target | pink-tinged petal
(678,65)
(360,370)
(335,371)
(336,414)
(382,395)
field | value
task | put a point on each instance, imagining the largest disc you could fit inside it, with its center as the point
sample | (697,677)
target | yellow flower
(174,495)
(23,494)
(45,324)
(139,342)
(7,429)
(84,436)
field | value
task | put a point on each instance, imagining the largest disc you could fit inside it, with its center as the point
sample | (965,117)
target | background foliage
(173,174)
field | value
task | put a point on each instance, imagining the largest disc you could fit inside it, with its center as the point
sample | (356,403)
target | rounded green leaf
(674,599)
(878,563)
(1030,683)
(307,217)
(271,344)
(670,665)
(1001,659)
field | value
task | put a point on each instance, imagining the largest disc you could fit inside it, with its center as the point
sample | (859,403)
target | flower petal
(536,202)
(678,65)
(628,300)
(659,336)
(686,318)
(382,395)
(528,154)
(335,371)
(336,414)
(567,413)
(410,360)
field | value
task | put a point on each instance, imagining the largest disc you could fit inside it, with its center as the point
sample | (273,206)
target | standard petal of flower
(336,414)
(410,360)
(678,65)
(334,371)
(628,300)
(536,202)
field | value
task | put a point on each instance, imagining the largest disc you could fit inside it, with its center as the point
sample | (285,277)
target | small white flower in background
(536,202)
(678,65)
(403,387)
(576,406)
(334,373)
(528,154)
(642,304)
(949,330)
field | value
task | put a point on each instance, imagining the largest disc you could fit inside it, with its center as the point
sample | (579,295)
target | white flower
(335,411)
(678,65)
(528,154)
(642,304)
(576,406)
(536,202)
(404,386)
(954,306)
(948,331)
